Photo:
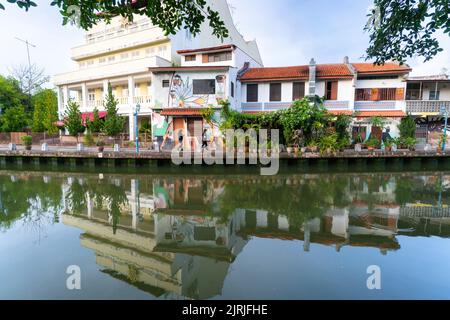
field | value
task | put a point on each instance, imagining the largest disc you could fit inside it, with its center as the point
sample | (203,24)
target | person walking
(205,138)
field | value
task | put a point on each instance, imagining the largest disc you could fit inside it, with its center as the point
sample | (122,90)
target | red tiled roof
(182,112)
(340,112)
(391,114)
(387,68)
(90,116)
(324,71)
(330,71)
(218,48)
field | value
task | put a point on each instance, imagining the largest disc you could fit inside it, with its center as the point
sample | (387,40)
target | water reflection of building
(165,255)
(173,239)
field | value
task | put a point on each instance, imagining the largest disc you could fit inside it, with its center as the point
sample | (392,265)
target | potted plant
(101,145)
(410,143)
(388,144)
(27,141)
(358,142)
(372,144)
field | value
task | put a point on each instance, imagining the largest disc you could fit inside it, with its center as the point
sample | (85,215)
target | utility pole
(28,44)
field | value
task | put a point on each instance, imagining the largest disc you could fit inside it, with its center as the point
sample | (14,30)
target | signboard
(443,110)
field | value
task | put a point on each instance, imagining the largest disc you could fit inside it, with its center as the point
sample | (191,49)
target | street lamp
(136,129)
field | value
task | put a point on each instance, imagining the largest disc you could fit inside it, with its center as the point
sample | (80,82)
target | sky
(288,32)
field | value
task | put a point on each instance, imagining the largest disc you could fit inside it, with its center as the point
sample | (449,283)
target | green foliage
(96,125)
(45,113)
(170,16)
(402,29)
(73,121)
(14,119)
(11,96)
(27,140)
(113,122)
(373,143)
(409,142)
(407,128)
(89,139)
(342,124)
(208,114)
(379,122)
(328,143)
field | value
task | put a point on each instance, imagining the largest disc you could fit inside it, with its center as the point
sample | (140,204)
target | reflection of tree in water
(299,198)
(109,193)
(35,201)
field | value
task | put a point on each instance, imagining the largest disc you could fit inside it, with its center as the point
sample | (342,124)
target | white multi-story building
(360,89)
(135,59)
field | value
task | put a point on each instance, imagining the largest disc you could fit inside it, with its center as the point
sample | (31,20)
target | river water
(298,236)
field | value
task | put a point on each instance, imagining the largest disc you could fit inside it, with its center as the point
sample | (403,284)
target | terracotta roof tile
(392,114)
(370,68)
(324,71)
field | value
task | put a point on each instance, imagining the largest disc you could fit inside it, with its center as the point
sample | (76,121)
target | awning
(384,114)
(182,112)
(90,115)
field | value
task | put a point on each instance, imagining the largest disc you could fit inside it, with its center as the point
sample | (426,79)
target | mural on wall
(181,94)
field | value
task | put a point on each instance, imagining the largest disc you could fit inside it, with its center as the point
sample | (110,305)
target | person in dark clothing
(205,138)
(180,140)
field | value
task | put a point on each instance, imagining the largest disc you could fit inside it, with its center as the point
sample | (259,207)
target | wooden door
(178,124)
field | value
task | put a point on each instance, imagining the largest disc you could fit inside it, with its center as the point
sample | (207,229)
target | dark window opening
(275,92)
(298,90)
(207,86)
(166,83)
(191,57)
(252,93)
(232,89)
(220,56)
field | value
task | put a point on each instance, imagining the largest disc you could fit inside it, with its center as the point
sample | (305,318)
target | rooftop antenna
(28,44)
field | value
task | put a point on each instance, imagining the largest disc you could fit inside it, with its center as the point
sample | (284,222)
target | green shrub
(373,143)
(27,140)
(89,139)
(328,143)
(407,128)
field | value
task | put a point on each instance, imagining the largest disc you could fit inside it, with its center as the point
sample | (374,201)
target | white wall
(444,89)
(381,83)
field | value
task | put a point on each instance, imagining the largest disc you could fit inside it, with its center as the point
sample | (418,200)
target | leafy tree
(407,128)
(96,125)
(14,119)
(400,29)
(45,111)
(11,95)
(170,16)
(73,121)
(113,122)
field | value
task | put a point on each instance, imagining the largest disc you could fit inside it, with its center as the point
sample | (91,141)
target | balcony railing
(95,103)
(142,99)
(421,106)
(122,100)
(264,106)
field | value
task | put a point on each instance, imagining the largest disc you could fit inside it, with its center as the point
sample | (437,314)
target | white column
(105,88)
(84,100)
(60,103)
(131,106)
(66,95)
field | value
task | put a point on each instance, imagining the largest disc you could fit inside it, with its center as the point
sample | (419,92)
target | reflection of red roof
(387,114)
(323,71)
(387,68)
(182,112)
(209,49)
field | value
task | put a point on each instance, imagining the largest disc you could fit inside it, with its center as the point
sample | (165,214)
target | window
(124,56)
(232,89)
(275,92)
(82,64)
(252,93)
(90,62)
(413,91)
(298,90)
(207,86)
(434,95)
(166,83)
(111,58)
(91,96)
(220,56)
(387,94)
(135,53)
(331,90)
(101,60)
(363,95)
(190,57)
